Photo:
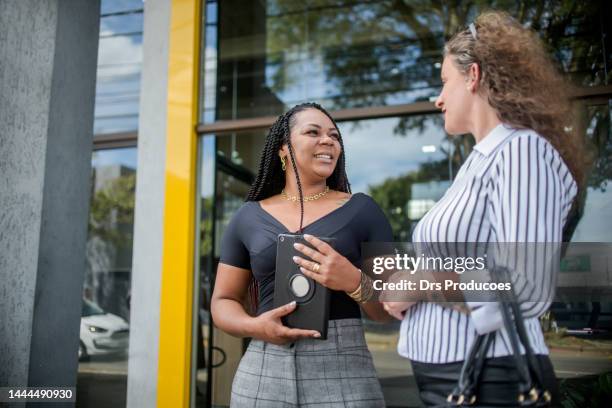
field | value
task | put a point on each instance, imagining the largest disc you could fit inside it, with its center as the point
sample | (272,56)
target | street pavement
(102,381)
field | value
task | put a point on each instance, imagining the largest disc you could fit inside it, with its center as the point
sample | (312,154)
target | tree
(111,215)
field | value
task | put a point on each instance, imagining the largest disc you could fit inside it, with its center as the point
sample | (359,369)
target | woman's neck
(484,120)
(308,188)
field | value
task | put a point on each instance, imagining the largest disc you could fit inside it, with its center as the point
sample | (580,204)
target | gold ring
(316,267)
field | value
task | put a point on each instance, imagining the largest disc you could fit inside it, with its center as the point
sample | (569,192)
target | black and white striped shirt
(513,187)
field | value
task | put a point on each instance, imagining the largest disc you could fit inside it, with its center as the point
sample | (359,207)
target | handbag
(531,392)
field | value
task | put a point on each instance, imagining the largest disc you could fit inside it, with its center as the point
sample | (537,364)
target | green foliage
(373,53)
(393,194)
(111,214)
(599,133)
(206,224)
(586,392)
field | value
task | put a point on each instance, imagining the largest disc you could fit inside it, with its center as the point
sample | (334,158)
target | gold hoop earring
(283,165)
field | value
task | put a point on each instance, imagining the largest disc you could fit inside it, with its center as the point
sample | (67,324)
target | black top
(249,242)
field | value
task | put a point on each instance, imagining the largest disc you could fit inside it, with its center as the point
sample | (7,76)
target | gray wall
(48,53)
(149,211)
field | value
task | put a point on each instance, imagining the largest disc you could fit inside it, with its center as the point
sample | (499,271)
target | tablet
(312,309)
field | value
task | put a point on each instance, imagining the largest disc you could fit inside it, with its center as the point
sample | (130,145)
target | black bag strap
(465,391)
(531,392)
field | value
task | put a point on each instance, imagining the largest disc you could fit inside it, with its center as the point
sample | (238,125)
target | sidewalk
(572,358)
(560,342)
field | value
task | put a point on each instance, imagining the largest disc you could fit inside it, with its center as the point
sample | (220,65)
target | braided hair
(270,178)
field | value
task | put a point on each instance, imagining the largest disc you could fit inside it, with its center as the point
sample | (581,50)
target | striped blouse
(513,187)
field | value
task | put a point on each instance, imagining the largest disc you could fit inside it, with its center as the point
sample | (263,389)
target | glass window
(119,66)
(262,57)
(273,54)
(105,328)
(208,92)
(595,225)
(406,164)
(583,307)
(120,6)
(226,172)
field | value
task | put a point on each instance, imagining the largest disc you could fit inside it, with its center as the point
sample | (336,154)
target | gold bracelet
(356,294)
(364,291)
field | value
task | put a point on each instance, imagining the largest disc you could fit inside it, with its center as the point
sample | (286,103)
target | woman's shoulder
(366,204)
(371,218)
(364,198)
(245,211)
(524,140)
(529,149)
(524,147)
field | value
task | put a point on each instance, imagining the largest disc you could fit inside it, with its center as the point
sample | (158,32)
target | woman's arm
(229,315)
(228,298)
(375,311)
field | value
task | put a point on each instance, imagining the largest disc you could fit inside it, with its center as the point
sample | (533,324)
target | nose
(326,139)
(439,102)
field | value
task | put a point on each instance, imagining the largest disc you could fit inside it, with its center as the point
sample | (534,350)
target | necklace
(307,198)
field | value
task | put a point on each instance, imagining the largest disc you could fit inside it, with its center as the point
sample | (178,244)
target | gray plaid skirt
(337,372)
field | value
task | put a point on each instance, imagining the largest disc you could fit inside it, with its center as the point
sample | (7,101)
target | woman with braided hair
(301,187)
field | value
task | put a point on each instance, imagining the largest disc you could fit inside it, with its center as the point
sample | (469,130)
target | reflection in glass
(226,173)
(582,311)
(596,224)
(202,343)
(405,164)
(120,6)
(119,66)
(208,91)
(104,333)
(264,57)
(271,55)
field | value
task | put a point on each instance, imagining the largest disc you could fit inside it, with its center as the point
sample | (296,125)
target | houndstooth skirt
(337,372)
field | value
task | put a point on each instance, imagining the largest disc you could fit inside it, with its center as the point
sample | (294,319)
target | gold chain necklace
(307,198)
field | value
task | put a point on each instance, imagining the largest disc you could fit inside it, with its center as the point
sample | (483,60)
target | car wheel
(82,352)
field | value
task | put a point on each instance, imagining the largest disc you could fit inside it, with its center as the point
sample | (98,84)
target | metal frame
(227,126)
(417,108)
(130,139)
(115,140)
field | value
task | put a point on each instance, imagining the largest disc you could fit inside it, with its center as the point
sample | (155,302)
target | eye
(335,135)
(312,132)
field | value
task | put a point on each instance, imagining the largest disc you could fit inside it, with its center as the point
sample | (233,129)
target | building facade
(186,91)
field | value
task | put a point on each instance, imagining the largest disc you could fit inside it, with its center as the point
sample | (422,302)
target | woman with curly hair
(301,187)
(518,185)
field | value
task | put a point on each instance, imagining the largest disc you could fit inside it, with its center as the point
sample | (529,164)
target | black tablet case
(312,310)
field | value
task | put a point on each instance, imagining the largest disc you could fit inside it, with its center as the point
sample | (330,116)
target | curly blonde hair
(521,83)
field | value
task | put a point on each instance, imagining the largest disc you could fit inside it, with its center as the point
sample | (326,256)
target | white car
(101,332)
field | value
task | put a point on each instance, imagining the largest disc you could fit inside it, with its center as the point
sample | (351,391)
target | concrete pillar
(149,210)
(48,53)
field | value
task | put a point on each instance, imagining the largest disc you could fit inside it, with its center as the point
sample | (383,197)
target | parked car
(101,332)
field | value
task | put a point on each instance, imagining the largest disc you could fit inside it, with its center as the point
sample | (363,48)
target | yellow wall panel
(179,213)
